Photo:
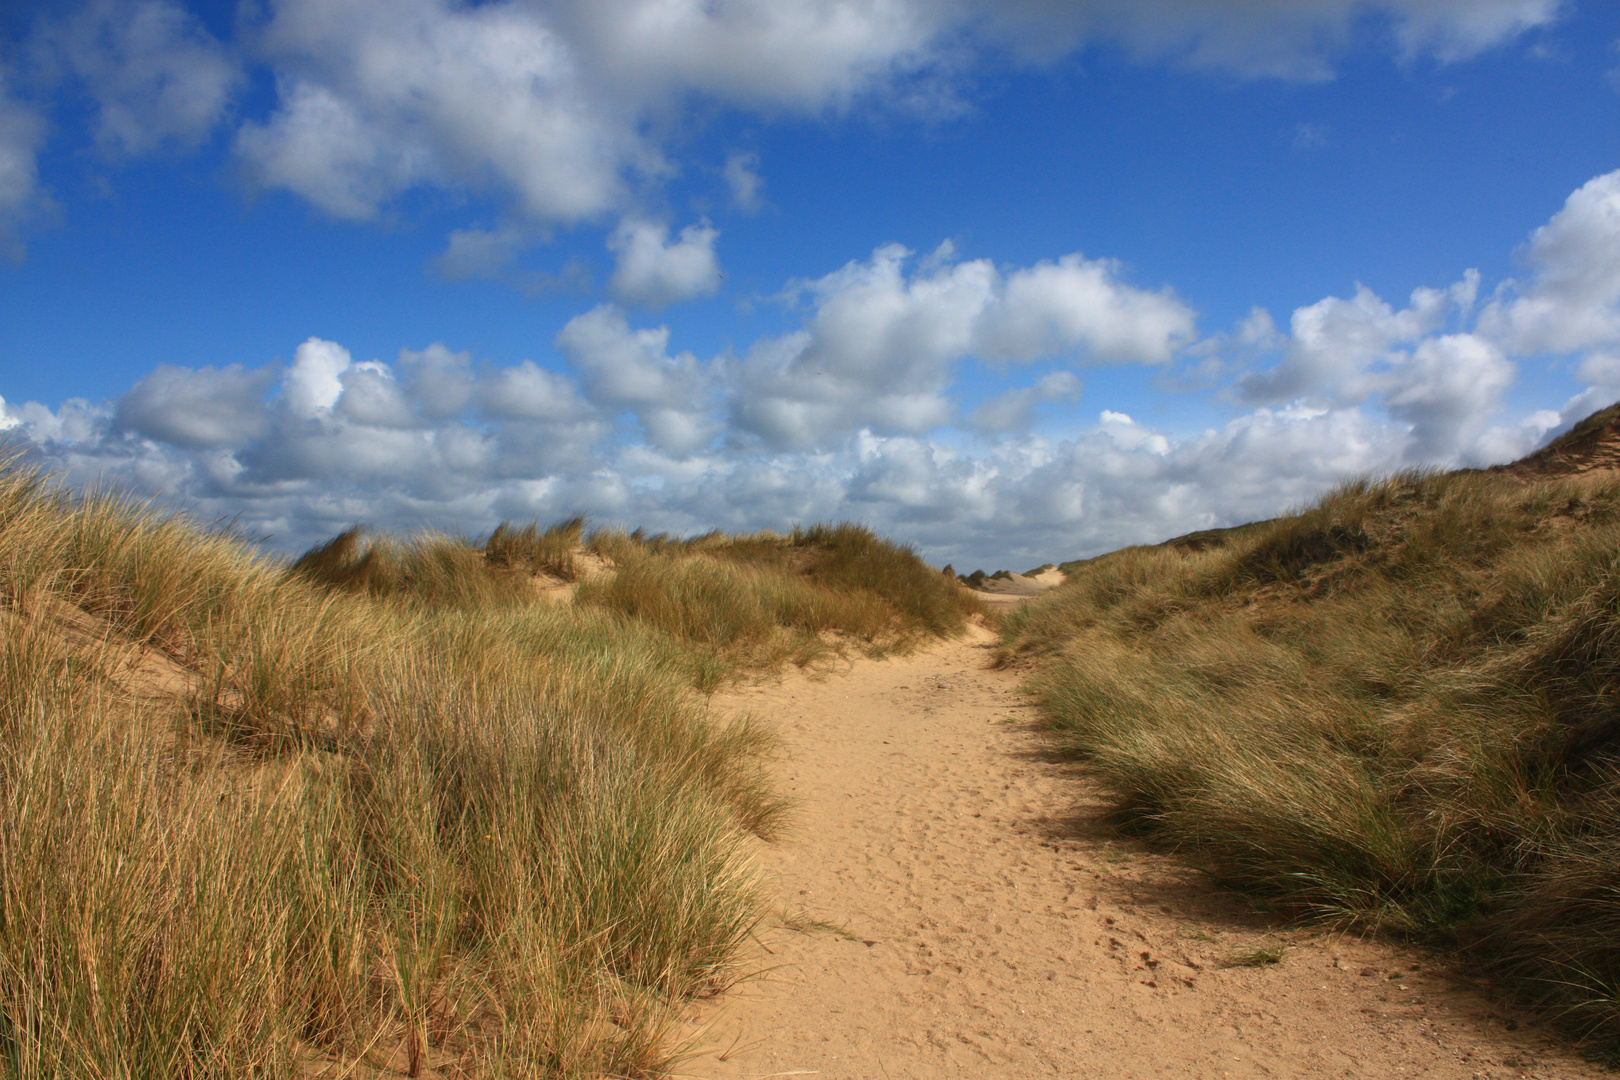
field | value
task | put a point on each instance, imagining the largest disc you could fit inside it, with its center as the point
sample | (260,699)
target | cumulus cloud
(654,272)
(1079,303)
(375,98)
(563,110)
(1015,409)
(1335,346)
(883,344)
(530,392)
(632,369)
(556,106)
(801,55)
(314,382)
(1442,364)
(855,413)
(198,408)
(534,446)
(156,74)
(1573,301)
(1455,30)
(1352,352)
(22,132)
(1447,392)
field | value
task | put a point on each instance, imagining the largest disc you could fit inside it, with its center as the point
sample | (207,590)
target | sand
(1000,592)
(950,905)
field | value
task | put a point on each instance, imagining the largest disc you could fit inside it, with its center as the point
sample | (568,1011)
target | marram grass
(1399,708)
(385,810)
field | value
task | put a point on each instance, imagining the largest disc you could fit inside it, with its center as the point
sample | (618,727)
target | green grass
(383,808)
(1399,709)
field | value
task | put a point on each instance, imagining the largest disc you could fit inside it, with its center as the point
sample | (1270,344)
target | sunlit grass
(384,807)
(1399,708)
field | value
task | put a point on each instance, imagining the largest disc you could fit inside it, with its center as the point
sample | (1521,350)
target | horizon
(1015,284)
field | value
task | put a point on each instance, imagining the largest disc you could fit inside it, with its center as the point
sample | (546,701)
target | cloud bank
(860,411)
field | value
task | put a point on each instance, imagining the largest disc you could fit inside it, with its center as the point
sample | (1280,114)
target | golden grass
(1398,708)
(764,599)
(384,808)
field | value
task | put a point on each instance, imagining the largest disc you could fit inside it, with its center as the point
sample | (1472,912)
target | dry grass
(764,599)
(1398,708)
(724,603)
(389,811)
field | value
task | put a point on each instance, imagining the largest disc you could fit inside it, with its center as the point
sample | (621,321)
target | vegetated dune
(1398,709)
(387,811)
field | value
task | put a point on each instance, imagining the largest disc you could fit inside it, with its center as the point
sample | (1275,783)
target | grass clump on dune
(768,598)
(1398,708)
(255,825)
(721,604)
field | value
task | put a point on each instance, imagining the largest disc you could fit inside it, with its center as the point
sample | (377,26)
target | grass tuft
(536,551)
(765,599)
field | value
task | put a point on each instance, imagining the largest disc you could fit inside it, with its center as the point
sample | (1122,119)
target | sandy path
(988,927)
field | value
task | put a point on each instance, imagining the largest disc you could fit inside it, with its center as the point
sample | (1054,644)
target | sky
(1014,281)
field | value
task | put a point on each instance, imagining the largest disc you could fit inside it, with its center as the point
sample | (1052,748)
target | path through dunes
(947,910)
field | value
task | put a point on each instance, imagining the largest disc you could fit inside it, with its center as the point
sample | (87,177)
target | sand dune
(947,908)
(999,592)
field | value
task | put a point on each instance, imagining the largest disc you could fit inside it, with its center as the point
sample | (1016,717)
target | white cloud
(1449,389)
(376,98)
(530,392)
(1455,30)
(565,109)
(801,55)
(156,74)
(199,408)
(1441,365)
(1348,353)
(853,414)
(632,369)
(441,383)
(22,132)
(371,395)
(1311,136)
(559,106)
(654,272)
(883,345)
(320,146)
(315,381)
(1015,409)
(1336,346)
(534,448)
(1077,303)
(742,177)
(1573,301)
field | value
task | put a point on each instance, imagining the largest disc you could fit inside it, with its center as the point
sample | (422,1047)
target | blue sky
(1013,281)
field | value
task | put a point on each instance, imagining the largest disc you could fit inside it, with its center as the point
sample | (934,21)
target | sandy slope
(990,927)
(999,592)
